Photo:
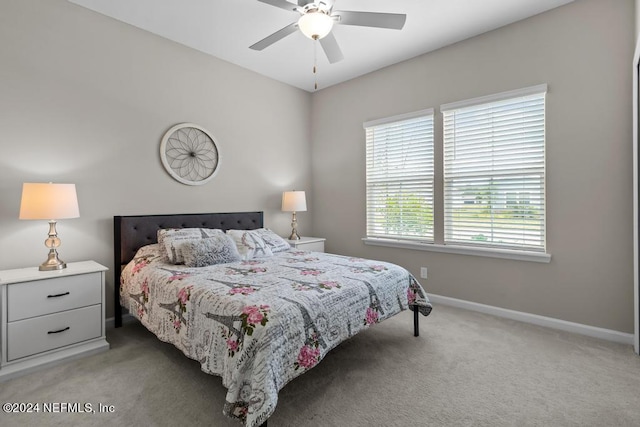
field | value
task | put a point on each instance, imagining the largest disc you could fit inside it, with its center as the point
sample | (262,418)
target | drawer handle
(57,295)
(59,330)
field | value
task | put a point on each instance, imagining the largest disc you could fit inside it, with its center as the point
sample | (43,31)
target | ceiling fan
(316,21)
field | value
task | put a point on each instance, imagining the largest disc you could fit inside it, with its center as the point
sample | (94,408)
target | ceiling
(226,29)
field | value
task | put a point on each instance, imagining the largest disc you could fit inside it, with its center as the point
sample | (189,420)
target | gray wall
(583,52)
(637,16)
(86,99)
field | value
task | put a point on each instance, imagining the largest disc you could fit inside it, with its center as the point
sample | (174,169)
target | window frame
(426,189)
(438,245)
(493,127)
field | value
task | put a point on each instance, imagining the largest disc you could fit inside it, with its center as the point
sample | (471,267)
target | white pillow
(171,240)
(250,245)
(275,242)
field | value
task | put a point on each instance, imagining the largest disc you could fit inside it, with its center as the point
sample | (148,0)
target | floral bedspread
(260,323)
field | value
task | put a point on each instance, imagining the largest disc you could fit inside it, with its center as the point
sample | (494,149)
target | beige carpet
(466,369)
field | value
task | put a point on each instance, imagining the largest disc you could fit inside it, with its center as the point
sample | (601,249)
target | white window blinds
(400,177)
(494,170)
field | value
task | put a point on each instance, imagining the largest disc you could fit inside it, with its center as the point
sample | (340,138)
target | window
(491,171)
(400,177)
(494,171)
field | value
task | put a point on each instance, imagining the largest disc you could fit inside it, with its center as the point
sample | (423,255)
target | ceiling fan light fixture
(315,25)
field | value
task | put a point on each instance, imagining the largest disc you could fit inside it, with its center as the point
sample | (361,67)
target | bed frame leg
(118,313)
(416,326)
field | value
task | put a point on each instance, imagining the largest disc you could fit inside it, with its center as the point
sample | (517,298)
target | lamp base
(52,262)
(294,235)
(294,228)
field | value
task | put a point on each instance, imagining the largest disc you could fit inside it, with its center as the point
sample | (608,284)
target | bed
(262,316)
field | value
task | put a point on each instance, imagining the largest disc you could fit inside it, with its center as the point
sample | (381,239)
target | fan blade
(278,35)
(282,4)
(394,21)
(331,49)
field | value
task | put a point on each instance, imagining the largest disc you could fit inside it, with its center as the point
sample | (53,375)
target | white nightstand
(50,316)
(315,244)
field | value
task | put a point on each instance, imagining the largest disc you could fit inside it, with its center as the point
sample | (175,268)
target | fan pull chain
(315,63)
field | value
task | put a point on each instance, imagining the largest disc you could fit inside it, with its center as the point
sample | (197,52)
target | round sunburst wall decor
(189,154)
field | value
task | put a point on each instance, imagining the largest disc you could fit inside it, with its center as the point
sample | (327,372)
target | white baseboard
(549,322)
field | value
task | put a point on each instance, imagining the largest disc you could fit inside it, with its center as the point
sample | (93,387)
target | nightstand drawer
(30,299)
(31,336)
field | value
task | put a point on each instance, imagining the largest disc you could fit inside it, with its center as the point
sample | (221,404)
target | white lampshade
(48,201)
(315,25)
(294,201)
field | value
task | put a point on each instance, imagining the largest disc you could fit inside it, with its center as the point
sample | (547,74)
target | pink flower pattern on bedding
(242,290)
(309,354)
(260,323)
(252,316)
(371,316)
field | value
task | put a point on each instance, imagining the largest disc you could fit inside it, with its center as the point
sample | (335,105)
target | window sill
(461,250)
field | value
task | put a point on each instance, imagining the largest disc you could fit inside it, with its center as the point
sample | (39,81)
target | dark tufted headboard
(130,233)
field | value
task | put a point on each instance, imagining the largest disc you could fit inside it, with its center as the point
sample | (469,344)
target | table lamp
(49,201)
(294,201)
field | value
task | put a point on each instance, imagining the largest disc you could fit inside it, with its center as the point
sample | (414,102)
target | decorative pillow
(250,245)
(172,239)
(218,249)
(275,242)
